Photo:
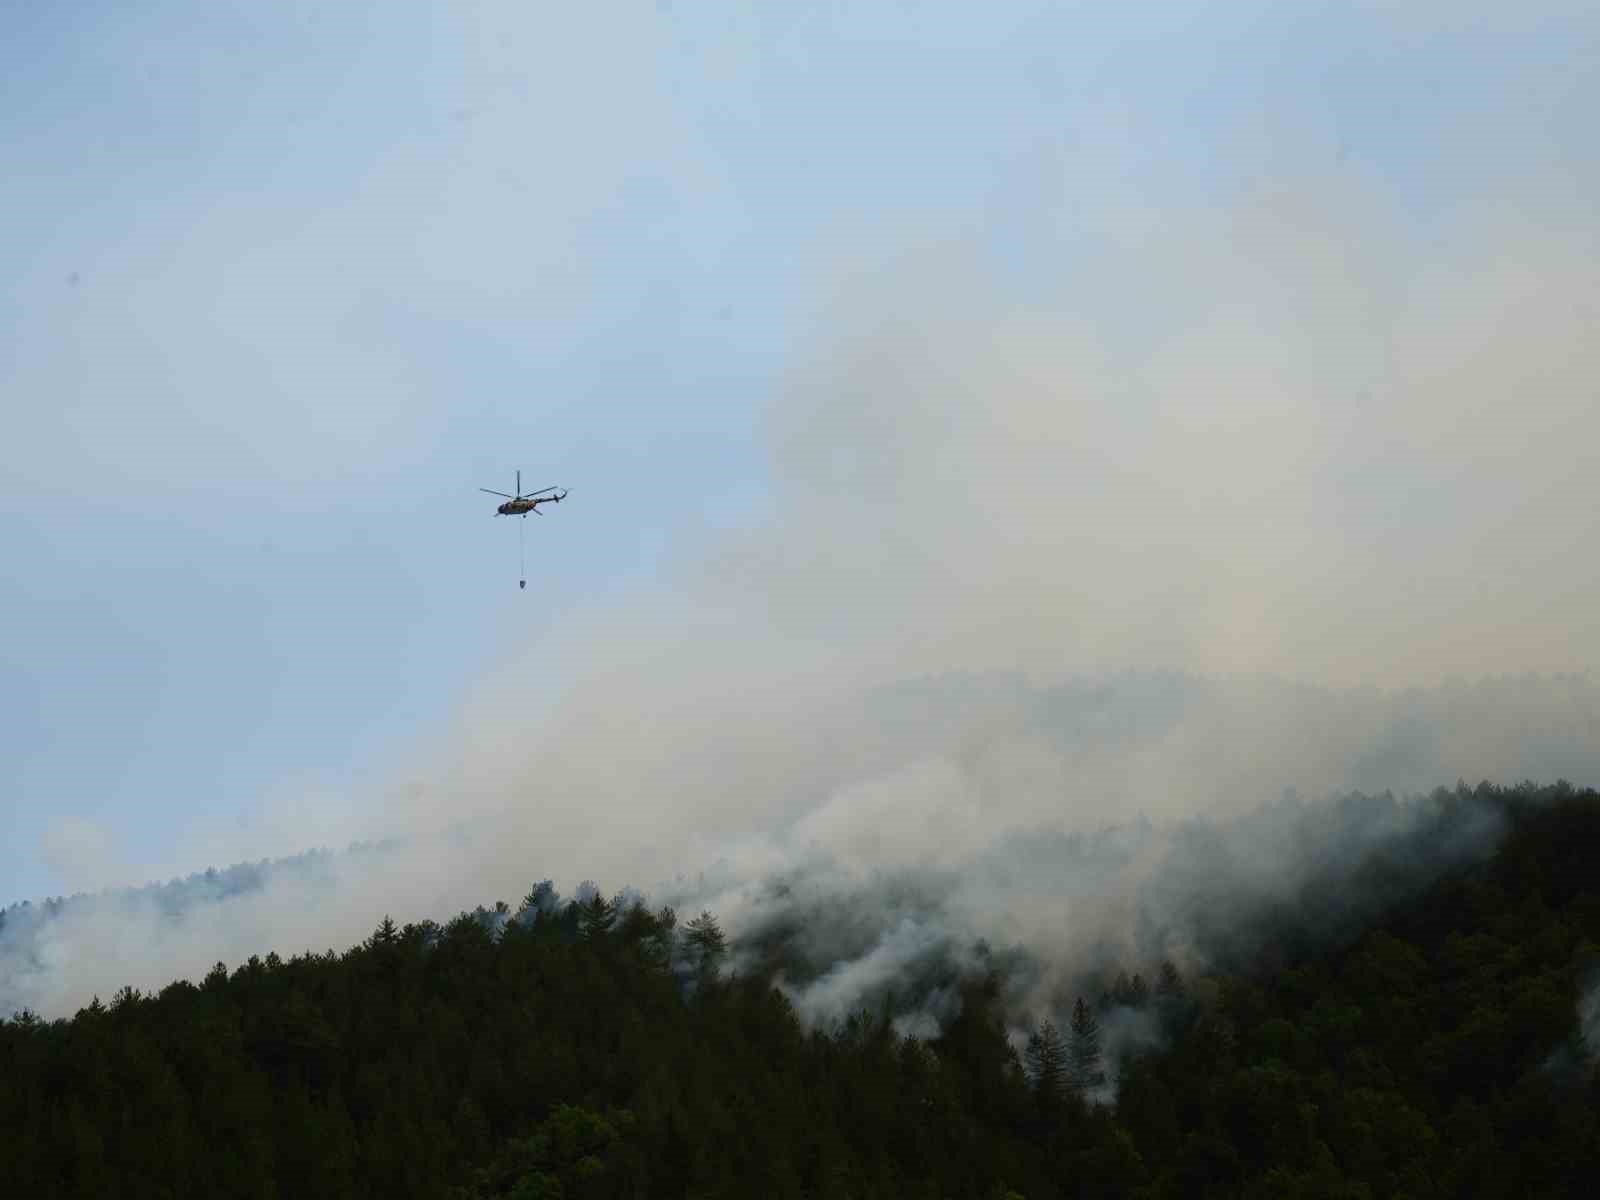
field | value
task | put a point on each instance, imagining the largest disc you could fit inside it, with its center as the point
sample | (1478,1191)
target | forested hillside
(1428,1043)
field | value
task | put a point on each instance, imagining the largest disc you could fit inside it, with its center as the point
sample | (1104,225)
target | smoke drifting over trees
(907,824)
(1427,1040)
(1099,663)
(1052,914)
(1034,564)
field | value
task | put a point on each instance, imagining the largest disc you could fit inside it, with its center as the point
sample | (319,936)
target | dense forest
(1426,1039)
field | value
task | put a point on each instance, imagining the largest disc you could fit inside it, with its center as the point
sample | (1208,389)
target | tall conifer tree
(1084,1053)
(1046,1059)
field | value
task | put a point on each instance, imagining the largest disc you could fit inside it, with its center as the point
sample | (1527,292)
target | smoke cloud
(1337,471)
(82,852)
(932,830)
(1589,1020)
(1030,571)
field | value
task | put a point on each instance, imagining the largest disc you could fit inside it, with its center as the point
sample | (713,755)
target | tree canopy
(592,1049)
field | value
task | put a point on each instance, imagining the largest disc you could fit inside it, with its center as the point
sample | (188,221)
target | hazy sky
(1236,338)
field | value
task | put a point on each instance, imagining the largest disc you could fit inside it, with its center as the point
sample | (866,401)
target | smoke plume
(1034,578)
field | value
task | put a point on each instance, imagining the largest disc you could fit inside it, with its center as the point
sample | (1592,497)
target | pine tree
(1046,1059)
(1138,991)
(596,916)
(1168,982)
(654,934)
(541,898)
(667,923)
(1084,1054)
(706,942)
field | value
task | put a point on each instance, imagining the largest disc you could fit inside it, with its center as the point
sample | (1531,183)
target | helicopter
(520,504)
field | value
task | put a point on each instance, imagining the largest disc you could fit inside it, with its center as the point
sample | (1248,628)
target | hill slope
(1430,1045)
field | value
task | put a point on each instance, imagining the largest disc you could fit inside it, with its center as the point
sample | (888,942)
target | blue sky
(284,284)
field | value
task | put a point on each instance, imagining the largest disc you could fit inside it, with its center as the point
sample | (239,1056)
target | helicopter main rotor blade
(540,492)
(492,492)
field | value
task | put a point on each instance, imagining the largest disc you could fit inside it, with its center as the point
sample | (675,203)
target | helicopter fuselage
(512,508)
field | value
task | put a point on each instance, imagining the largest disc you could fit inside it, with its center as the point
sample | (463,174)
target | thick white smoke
(1338,476)
(897,832)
